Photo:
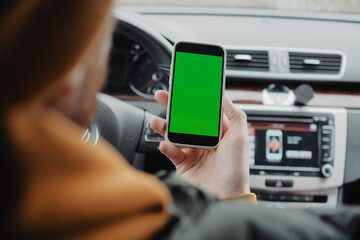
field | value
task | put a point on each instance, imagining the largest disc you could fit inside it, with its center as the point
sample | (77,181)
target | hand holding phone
(223,171)
(197,81)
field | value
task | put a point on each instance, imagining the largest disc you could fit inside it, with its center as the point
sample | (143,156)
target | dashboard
(301,156)
(139,74)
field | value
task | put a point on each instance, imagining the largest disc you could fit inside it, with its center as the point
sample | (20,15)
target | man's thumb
(232,113)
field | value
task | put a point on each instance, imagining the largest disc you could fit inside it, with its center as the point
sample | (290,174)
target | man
(53,58)
(53,62)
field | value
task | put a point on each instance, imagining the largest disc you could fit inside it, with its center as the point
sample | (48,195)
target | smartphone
(274,146)
(197,81)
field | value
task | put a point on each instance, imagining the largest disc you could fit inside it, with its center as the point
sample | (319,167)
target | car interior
(295,72)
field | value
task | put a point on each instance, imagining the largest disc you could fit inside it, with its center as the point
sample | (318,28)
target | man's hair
(42,40)
(10,184)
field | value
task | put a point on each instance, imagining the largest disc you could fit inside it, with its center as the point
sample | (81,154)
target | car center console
(297,154)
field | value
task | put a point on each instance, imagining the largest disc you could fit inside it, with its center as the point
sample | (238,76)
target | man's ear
(75,80)
(67,92)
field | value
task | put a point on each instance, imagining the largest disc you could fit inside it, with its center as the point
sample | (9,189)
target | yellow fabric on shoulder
(249,196)
(73,190)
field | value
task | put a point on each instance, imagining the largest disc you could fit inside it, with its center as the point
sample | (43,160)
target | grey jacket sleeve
(198,215)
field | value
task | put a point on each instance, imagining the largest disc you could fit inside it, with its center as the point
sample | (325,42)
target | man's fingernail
(161,148)
(229,100)
(151,122)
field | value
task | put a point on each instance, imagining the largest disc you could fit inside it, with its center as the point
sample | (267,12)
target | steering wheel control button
(278,183)
(327,170)
(151,135)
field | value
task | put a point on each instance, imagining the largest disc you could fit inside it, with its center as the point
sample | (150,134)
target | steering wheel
(125,126)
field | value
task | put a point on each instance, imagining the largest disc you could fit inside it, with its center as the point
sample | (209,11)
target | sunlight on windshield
(335,6)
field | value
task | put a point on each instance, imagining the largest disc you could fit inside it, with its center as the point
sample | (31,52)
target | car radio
(291,145)
(297,155)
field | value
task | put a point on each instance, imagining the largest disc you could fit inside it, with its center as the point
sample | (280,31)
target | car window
(333,6)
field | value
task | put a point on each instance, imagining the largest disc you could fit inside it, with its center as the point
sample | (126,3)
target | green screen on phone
(196,94)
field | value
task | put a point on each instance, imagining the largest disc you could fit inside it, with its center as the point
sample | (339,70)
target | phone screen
(196,95)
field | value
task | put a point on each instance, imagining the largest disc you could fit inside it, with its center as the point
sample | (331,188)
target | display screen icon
(274,146)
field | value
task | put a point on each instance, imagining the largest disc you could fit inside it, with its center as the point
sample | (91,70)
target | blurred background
(335,6)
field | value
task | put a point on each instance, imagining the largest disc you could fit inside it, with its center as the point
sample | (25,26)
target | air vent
(247,60)
(314,63)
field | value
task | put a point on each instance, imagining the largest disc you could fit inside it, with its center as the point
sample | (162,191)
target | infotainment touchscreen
(283,144)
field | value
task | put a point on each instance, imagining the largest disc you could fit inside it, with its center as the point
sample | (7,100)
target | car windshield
(331,6)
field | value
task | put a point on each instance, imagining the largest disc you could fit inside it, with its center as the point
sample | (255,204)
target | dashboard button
(325,147)
(259,196)
(270,197)
(278,183)
(284,61)
(323,119)
(292,154)
(252,154)
(327,170)
(252,161)
(270,183)
(328,159)
(326,154)
(308,198)
(326,131)
(296,198)
(287,183)
(305,154)
(274,60)
(278,206)
(283,198)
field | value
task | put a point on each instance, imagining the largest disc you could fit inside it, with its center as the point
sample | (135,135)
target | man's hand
(223,171)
